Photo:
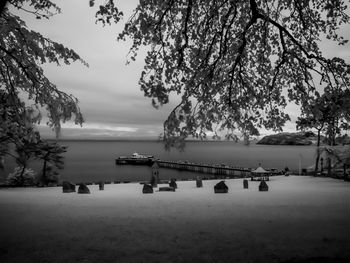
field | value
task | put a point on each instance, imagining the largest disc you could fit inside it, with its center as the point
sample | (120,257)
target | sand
(300,219)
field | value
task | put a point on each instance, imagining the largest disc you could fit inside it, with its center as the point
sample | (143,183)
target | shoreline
(166,181)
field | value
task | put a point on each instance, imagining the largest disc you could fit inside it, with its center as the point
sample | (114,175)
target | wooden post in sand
(199,182)
(245,184)
(155,174)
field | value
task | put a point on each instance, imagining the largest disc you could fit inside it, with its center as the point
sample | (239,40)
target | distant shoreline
(136,140)
(140,140)
(254,143)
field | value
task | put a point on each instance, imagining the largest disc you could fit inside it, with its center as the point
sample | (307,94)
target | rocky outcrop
(83,189)
(221,188)
(285,138)
(263,187)
(68,187)
(173,183)
(147,189)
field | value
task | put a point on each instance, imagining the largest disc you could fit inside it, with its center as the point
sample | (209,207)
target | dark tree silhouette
(328,114)
(22,52)
(235,64)
(51,153)
(2,5)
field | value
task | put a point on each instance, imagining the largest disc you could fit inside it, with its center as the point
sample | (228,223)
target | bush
(15,179)
(51,177)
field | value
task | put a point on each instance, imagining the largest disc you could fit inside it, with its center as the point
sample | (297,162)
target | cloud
(108,90)
(100,131)
(100,126)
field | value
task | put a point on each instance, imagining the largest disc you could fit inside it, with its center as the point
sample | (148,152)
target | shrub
(50,178)
(15,179)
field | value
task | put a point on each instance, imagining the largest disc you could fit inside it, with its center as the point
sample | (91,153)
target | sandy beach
(300,219)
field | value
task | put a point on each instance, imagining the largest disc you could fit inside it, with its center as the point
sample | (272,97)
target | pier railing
(223,170)
(214,169)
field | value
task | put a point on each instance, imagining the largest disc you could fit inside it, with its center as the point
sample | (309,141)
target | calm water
(94,160)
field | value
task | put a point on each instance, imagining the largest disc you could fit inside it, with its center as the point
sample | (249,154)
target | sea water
(91,161)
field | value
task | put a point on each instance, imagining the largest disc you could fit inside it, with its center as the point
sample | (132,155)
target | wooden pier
(223,170)
(214,169)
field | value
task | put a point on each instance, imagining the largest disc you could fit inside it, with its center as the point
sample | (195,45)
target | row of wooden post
(155,180)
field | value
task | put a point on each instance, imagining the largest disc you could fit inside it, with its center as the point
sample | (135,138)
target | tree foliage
(51,153)
(24,88)
(235,64)
(329,114)
(21,177)
(27,145)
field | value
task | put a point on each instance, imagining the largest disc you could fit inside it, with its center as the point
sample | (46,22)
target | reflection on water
(94,160)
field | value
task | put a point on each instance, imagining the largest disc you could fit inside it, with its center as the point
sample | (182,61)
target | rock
(221,187)
(245,184)
(83,189)
(101,185)
(263,187)
(68,187)
(286,171)
(199,182)
(173,183)
(166,189)
(147,189)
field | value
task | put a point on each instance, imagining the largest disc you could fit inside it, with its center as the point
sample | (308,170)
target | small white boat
(135,158)
(136,155)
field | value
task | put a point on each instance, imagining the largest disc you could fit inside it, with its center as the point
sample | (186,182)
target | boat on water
(135,158)
(136,155)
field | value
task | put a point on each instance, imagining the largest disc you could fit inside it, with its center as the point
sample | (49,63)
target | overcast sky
(110,97)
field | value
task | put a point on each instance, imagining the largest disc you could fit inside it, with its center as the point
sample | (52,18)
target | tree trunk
(329,161)
(317,161)
(318,150)
(21,177)
(2,162)
(331,139)
(44,172)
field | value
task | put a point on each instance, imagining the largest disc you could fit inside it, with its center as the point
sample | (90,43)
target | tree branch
(184,46)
